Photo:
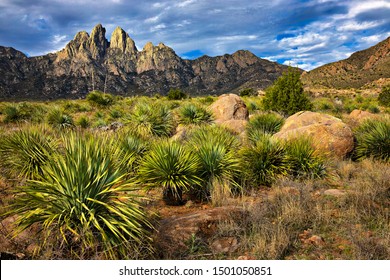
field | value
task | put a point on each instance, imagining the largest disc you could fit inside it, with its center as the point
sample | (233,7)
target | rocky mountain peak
(98,42)
(122,41)
(148,47)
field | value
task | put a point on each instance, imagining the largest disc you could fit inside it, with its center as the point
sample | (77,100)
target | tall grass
(193,114)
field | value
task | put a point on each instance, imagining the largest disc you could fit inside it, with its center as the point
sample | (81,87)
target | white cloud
(158,27)
(364,6)
(308,38)
(356,26)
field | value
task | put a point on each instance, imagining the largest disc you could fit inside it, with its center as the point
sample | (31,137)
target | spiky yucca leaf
(23,153)
(171,166)
(304,162)
(268,123)
(264,161)
(194,114)
(373,140)
(58,119)
(84,199)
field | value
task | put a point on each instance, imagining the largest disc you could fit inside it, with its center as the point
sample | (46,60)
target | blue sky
(301,33)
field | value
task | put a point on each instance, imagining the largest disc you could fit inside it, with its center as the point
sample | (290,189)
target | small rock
(224,245)
(335,192)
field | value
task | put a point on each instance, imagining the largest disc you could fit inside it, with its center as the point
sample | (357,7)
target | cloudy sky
(304,33)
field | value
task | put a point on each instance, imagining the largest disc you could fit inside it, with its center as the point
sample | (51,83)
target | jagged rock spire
(121,40)
(98,42)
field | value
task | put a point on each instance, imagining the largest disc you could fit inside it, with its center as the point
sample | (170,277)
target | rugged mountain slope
(360,68)
(92,62)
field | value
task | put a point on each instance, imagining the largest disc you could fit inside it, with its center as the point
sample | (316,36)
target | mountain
(361,68)
(90,61)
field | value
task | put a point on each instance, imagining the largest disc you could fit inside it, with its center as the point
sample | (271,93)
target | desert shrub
(23,111)
(171,166)
(133,148)
(83,122)
(116,114)
(83,203)
(247,92)
(384,97)
(207,100)
(286,95)
(193,114)
(373,140)
(152,121)
(373,109)
(58,119)
(303,161)
(176,94)
(263,123)
(263,161)
(100,99)
(24,153)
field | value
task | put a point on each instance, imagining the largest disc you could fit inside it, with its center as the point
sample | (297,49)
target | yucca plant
(152,121)
(83,122)
(263,161)
(264,123)
(24,153)
(303,160)
(373,140)
(171,166)
(194,114)
(133,147)
(83,202)
(100,99)
(58,119)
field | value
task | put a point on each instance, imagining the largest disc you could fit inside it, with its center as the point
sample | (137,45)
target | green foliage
(263,161)
(176,94)
(264,123)
(152,121)
(23,153)
(384,97)
(83,201)
(247,92)
(23,111)
(100,99)
(58,119)
(194,114)
(171,166)
(286,95)
(133,148)
(83,122)
(373,140)
(303,161)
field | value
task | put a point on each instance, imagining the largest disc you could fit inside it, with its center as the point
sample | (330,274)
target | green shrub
(176,94)
(286,95)
(373,109)
(152,121)
(23,111)
(193,114)
(373,140)
(58,119)
(247,92)
(83,203)
(263,123)
(303,161)
(23,153)
(263,161)
(384,97)
(100,99)
(84,122)
(133,148)
(171,166)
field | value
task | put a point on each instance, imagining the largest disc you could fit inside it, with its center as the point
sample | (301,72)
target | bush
(193,114)
(263,161)
(176,94)
(373,140)
(58,119)
(264,123)
(83,202)
(286,95)
(24,153)
(172,167)
(83,122)
(384,97)
(23,111)
(247,92)
(303,161)
(100,99)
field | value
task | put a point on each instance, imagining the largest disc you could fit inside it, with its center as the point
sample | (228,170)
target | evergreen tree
(384,97)
(286,95)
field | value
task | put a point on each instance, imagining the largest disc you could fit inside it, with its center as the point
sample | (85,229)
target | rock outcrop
(329,134)
(90,61)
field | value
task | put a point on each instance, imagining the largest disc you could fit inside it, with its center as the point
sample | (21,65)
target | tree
(384,96)
(176,94)
(286,95)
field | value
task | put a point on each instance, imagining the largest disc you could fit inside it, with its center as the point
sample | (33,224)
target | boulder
(329,134)
(358,116)
(176,232)
(236,126)
(229,107)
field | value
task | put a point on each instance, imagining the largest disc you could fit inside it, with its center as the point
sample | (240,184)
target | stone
(236,126)
(359,116)
(229,107)
(174,233)
(329,134)
(335,193)
(224,245)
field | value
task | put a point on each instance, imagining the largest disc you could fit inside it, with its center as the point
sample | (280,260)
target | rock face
(329,134)
(91,62)
(361,68)
(175,233)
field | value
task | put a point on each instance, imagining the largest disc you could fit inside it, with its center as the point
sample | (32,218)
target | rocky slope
(361,68)
(92,62)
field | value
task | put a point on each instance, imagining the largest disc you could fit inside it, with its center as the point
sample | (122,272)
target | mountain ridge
(90,61)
